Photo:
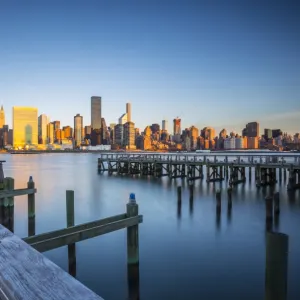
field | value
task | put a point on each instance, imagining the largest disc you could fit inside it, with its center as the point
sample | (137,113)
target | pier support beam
(8,205)
(132,233)
(276,266)
(31,208)
(70,223)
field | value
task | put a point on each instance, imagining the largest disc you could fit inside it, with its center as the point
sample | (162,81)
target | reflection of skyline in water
(169,246)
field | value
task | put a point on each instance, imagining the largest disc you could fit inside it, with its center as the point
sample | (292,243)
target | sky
(211,63)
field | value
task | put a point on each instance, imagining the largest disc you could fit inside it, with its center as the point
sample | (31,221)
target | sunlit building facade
(50,133)
(96,112)
(2,117)
(43,121)
(78,126)
(25,126)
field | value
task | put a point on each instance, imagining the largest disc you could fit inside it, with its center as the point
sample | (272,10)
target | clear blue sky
(212,63)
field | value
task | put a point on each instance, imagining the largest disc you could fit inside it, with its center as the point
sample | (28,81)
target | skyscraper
(165,125)
(78,126)
(129,135)
(123,119)
(25,126)
(2,117)
(251,130)
(128,111)
(43,121)
(177,126)
(50,133)
(96,112)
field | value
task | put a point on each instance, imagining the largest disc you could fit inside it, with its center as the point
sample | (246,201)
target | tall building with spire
(2,117)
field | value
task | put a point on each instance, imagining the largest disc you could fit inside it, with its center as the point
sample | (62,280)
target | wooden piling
(276,203)
(8,209)
(276,266)
(31,208)
(229,193)
(218,203)
(179,193)
(70,212)
(269,208)
(191,191)
(1,188)
(191,198)
(132,233)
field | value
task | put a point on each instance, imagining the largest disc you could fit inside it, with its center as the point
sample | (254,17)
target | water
(184,253)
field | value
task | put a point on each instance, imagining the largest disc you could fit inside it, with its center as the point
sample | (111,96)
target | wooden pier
(26,274)
(219,167)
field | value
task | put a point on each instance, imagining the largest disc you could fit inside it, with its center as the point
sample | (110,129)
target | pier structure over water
(26,274)
(230,167)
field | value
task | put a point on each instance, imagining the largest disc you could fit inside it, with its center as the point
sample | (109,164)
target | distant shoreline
(141,152)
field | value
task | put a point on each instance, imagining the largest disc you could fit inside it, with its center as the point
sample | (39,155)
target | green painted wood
(17,192)
(70,230)
(77,236)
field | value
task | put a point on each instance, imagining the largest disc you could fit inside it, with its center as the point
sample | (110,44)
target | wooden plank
(56,233)
(18,192)
(74,237)
(26,274)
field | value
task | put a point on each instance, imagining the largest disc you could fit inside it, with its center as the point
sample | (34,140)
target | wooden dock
(27,274)
(219,167)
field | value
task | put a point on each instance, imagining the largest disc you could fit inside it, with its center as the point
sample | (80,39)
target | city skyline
(261,129)
(217,64)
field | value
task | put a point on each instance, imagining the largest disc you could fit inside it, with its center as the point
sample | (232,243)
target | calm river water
(183,255)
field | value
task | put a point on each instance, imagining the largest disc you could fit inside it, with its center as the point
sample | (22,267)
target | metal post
(70,212)
(132,233)
(31,208)
(276,266)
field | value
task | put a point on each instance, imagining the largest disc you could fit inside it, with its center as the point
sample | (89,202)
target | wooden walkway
(27,274)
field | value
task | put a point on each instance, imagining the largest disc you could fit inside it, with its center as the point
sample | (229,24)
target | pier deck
(218,166)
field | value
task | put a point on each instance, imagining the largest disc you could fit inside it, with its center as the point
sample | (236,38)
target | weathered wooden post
(276,266)
(284,174)
(132,233)
(133,269)
(218,208)
(70,223)
(229,193)
(191,198)
(179,194)
(280,174)
(1,188)
(276,203)
(269,212)
(31,208)
(250,173)
(8,205)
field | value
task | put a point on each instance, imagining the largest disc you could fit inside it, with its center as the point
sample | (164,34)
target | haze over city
(212,64)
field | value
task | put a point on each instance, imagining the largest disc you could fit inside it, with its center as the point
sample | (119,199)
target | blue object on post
(132,198)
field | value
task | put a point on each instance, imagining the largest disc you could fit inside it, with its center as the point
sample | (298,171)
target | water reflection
(133,281)
(103,196)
